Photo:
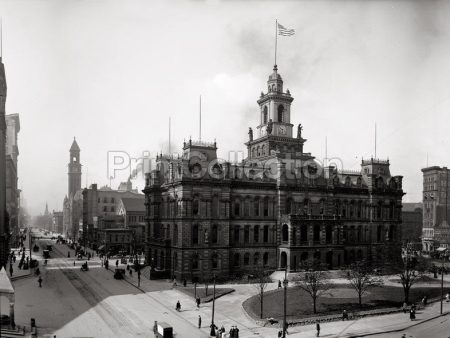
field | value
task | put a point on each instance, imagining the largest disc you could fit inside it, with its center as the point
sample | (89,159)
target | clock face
(282,130)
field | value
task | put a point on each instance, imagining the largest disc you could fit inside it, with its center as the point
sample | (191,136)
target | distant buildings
(412,218)
(436,212)
(276,209)
(4,217)
(105,209)
(12,191)
(57,221)
(73,202)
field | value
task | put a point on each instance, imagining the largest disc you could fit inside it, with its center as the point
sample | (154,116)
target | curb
(13,279)
(401,329)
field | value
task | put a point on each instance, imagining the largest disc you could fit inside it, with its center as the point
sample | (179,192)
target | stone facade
(412,218)
(275,209)
(4,217)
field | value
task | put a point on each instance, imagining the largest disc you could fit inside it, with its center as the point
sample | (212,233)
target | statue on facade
(269,127)
(299,131)
(206,235)
(250,134)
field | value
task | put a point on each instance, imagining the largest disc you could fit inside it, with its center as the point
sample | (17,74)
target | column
(11,315)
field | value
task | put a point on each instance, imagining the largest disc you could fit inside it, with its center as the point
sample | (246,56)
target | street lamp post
(442,286)
(285,284)
(213,328)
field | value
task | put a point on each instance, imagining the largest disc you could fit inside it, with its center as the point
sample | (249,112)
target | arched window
(247,207)
(280,113)
(246,234)
(263,150)
(304,233)
(246,258)
(285,232)
(256,234)
(348,181)
(265,115)
(328,233)
(195,234)
(236,259)
(256,258)
(288,206)
(236,234)
(214,234)
(266,258)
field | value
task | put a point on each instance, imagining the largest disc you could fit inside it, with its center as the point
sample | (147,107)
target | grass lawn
(201,292)
(299,303)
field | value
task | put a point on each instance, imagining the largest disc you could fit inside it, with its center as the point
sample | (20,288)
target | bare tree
(362,277)
(314,281)
(410,269)
(261,280)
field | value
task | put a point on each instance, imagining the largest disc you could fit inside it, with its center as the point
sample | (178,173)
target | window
(105,200)
(236,259)
(112,209)
(112,200)
(256,207)
(266,206)
(328,233)
(266,258)
(195,234)
(379,233)
(280,113)
(247,208)
(285,233)
(237,208)
(195,207)
(236,234)
(265,115)
(288,206)
(256,258)
(256,234)
(214,261)
(195,262)
(246,258)
(175,234)
(105,208)
(266,234)
(317,233)
(214,234)
(98,200)
(246,234)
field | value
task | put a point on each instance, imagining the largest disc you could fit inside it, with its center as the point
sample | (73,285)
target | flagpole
(276,39)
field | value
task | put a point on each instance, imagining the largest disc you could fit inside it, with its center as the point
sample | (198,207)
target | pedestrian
(412,314)
(344,315)
(447,297)
(10,269)
(74,263)
(178,306)
(279,284)
(184,282)
(68,254)
(197,300)
(131,272)
(425,301)
(405,307)
(317,328)
(40,281)
(117,263)
(199,321)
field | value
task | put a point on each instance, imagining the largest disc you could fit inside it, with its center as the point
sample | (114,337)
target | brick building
(412,218)
(275,209)
(436,195)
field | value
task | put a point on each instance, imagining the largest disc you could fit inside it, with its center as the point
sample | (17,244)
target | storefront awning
(441,249)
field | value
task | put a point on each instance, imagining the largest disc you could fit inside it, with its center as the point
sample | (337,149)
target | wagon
(163,330)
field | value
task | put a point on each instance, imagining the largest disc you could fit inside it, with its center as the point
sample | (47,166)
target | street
(90,304)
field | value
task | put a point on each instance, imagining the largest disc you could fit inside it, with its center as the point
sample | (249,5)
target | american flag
(284,31)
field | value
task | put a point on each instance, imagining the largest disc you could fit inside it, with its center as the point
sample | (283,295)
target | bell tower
(74,169)
(275,105)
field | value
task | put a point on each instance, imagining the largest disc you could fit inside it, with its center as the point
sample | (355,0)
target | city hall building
(274,210)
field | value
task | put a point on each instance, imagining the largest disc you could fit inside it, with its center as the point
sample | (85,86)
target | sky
(111,73)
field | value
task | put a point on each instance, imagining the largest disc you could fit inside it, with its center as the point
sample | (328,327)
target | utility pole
(285,284)
(446,221)
(213,329)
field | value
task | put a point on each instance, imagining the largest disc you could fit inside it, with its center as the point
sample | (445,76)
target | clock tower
(275,105)
(274,133)
(74,169)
